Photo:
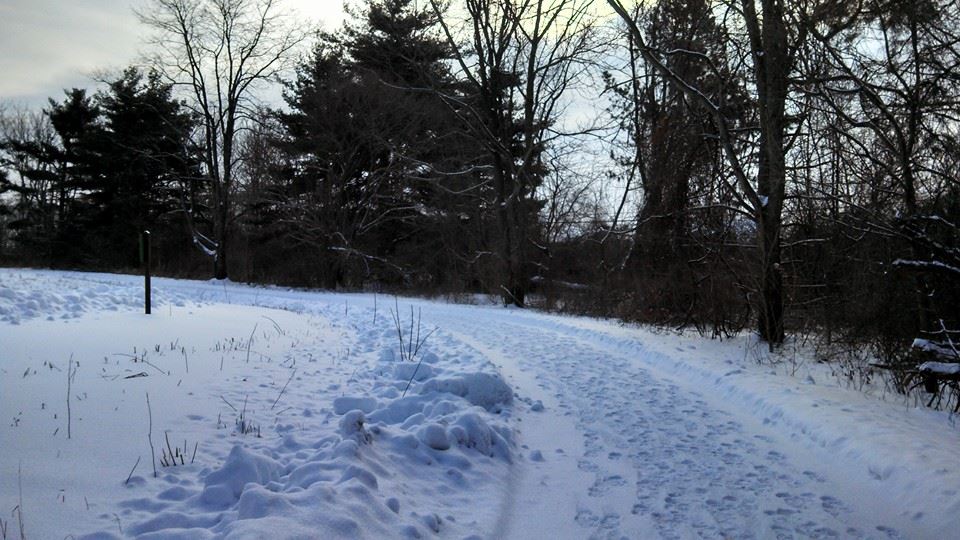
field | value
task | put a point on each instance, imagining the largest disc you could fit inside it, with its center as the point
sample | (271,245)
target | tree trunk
(772,65)
(510,281)
(517,280)
(221,233)
(220,259)
(771,294)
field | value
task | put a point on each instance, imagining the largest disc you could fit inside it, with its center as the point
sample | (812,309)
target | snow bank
(353,442)
(626,433)
(225,485)
(31,294)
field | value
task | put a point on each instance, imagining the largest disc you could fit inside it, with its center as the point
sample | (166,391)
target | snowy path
(614,432)
(663,460)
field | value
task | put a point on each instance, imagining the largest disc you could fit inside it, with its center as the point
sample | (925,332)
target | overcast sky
(49,45)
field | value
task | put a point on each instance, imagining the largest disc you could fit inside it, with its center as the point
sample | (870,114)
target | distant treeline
(789,167)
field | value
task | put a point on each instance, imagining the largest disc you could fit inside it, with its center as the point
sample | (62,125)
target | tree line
(788,167)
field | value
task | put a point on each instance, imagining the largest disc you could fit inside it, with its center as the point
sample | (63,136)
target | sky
(49,45)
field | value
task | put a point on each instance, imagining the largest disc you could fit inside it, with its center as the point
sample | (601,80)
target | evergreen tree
(399,44)
(76,172)
(148,161)
(113,165)
(365,133)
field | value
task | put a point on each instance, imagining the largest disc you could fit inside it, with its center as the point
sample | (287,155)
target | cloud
(49,45)
(51,42)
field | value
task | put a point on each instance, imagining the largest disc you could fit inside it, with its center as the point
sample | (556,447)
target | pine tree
(366,130)
(77,172)
(148,161)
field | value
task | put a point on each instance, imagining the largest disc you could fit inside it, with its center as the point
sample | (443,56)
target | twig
(19,509)
(282,390)
(228,403)
(153,457)
(416,369)
(162,372)
(166,435)
(410,337)
(420,343)
(250,341)
(129,476)
(276,326)
(69,368)
(396,322)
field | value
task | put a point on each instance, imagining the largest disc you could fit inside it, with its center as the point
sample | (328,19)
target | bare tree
(220,51)
(22,130)
(519,59)
(773,37)
(894,98)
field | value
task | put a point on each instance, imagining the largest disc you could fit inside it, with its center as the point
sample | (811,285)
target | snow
(516,424)
(927,265)
(940,368)
(936,349)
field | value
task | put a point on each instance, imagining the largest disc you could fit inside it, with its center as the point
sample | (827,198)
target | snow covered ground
(291,415)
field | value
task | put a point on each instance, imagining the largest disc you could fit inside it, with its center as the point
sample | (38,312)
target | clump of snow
(351,426)
(940,368)
(342,405)
(435,436)
(472,431)
(408,370)
(480,389)
(225,485)
(934,348)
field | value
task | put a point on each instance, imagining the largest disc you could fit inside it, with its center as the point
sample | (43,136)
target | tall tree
(519,61)
(773,37)
(668,154)
(147,157)
(220,50)
(365,141)
(671,147)
(28,149)
(892,101)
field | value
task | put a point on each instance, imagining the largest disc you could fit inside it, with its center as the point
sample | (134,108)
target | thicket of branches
(784,167)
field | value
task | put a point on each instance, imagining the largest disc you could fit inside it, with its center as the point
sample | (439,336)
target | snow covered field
(294,415)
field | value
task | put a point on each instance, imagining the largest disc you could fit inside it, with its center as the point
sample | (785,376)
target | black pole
(146,271)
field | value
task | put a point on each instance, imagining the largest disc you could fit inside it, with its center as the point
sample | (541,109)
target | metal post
(145,256)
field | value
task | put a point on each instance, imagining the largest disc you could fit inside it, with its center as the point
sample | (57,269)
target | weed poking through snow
(410,347)
(174,455)
(244,425)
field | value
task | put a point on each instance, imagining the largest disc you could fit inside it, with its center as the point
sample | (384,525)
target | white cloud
(49,45)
